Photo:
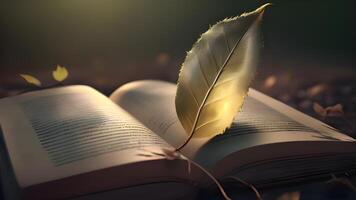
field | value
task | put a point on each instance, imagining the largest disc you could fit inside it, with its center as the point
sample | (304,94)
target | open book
(73,142)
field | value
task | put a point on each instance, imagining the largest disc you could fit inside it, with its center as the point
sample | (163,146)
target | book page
(262,120)
(152,103)
(56,133)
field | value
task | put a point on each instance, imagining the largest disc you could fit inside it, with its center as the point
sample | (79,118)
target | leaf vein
(216,79)
(216,100)
(226,39)
(223,82)
(192,94)
(213,56)
(202,71)
(207,123)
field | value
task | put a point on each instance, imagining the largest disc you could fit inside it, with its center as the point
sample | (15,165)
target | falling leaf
(31,79)
(330,111)
(270,81)
(60,74)
(290,196)
(217,73)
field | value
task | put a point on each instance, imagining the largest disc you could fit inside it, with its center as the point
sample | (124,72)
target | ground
(299,87)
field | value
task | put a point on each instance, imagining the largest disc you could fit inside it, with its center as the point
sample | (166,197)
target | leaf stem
(178,155)
(220,187)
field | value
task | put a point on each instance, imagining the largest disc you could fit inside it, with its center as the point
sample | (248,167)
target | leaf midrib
(201,106)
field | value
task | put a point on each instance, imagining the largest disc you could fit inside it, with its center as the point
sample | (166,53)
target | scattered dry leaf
(330,111)
(290,196)
(31,79)
(60,74)
(316,89)
(270,81)
(335,111)
(319,109)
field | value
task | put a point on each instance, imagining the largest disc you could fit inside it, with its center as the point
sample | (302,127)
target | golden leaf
(216,74)
(60,74)
(31,79)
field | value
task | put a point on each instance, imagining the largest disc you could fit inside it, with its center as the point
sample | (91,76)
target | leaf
(316,89)
(216,74)
(330,111)
(60,74)
(319,109)
(270,81)
(31,79)
(335,111)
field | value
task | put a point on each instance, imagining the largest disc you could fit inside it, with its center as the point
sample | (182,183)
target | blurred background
(309,54)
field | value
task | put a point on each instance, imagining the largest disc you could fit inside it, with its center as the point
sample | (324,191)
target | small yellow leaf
(60,74)
(30,79)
